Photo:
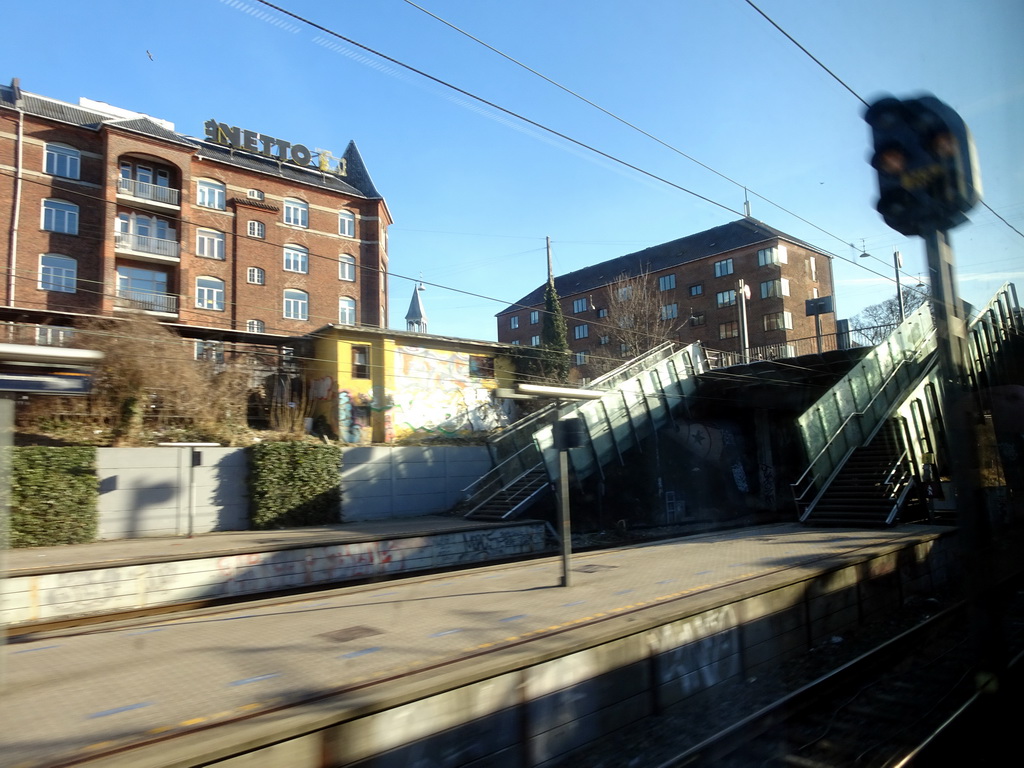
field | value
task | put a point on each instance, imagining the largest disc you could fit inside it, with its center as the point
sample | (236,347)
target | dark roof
(711,242)
(416,313)
(356,183)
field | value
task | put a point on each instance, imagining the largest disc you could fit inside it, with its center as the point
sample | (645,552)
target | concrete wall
(379,482)
(53,596)
(145,491)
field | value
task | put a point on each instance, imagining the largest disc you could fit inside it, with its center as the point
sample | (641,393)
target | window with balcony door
(62,160)
(346,311)
(296,304)
(210,293)
(60,216)
(210,194)
(145,180)
(57,273)
(296,259)
(210,244)
(346,224)
(144,289)
(145,234)
(296,212)
(347,267)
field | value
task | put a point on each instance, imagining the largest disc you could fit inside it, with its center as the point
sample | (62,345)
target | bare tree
(875,322)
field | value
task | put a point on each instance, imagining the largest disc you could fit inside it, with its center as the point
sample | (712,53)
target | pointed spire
(416,317)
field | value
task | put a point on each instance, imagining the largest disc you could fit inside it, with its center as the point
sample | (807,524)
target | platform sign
(819,306)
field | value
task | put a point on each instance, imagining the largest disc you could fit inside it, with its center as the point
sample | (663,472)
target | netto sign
(268,146)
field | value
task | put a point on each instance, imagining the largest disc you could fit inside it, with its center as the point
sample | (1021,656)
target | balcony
(147,301)
(146,248)
(146,195)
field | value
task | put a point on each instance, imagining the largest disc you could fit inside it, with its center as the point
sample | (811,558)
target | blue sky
(475,192)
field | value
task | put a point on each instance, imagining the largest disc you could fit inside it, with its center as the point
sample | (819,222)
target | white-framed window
(346,224)
(347,267)
(296,212)
(255,326)
(771,289)
(535,341)
(513,322)
(296,304)
(346,311)
(254,194)
(667,283)
(256,276)
(726,298)
(256,229)
(210,194)
(54,335)
(581,357)
(62,160)
(778,321)
(723,267)
(60,216)
(57,273)
(296,259)
(729,330)
(579,305)
(209,293)
(768,256)
(534,317)
(210,244)
(669,311)
(581,331)
(211,351)
(812,265)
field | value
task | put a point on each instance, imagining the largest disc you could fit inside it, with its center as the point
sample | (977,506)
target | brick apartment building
(694,284)
(233,239)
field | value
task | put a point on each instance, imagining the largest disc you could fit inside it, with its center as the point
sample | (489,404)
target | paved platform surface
(71,695)
(73,557)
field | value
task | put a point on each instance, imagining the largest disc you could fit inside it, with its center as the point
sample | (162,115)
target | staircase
(870,487)
(639,398)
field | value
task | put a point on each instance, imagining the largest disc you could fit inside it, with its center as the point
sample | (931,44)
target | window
(54,335)
(62,160)
(726,298)
(346,311)
(256,276)
(625,292)
(346,224)
(514,342)
(296,259)
(296,212)
(723,268)
(257,229)
(729,330)
(697,289)
(145,289)
(535,341)
(698,319)
(669,311)
(812,265)
(603,340)
(579,305)
(767,256)
(255,326)
(210,244)
(481,367)
(210,293)
(360,362)
(667,283)
(347,267)
(771,289)
(210,194)
(59,216)
(778,321)
(513,322)
(213,351)
(534,317)
(581,357)
(57,273)
(296,304)
(602,313)
(254,194)
(581,331)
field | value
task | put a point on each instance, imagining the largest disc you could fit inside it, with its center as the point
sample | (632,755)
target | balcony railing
(157,246)
(147,301)
(146,191)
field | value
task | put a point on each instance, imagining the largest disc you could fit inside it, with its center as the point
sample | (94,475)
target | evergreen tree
(554,340)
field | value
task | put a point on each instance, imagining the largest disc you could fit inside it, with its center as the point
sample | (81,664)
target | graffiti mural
(353,417)
(436,393)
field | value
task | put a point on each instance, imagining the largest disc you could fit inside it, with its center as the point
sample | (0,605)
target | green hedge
(294,484)
(54,493)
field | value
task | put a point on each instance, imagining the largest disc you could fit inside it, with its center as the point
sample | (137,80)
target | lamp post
(743,291)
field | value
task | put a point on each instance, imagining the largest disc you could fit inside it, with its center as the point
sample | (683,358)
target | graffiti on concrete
(698,653)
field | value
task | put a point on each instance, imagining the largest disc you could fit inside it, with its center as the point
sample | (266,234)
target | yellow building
(374,385)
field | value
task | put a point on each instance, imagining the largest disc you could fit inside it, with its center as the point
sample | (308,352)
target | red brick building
(236,237)
(693,285)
